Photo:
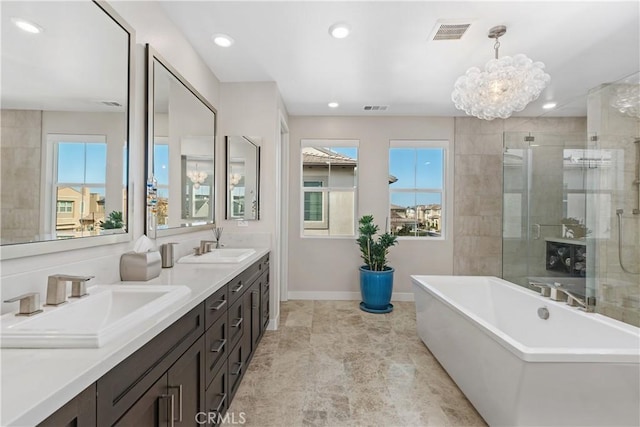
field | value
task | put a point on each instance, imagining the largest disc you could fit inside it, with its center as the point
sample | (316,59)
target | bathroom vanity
(190,362)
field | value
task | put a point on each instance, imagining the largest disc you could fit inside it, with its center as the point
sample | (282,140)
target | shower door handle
(537,231)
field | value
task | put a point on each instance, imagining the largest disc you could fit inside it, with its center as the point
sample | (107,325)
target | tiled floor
(331,364)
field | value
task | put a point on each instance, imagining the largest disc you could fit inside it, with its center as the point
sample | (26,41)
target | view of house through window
(416,187)
(161,174)
(329,182)
(80,188)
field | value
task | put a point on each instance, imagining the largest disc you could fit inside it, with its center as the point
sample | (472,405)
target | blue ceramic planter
(376,288)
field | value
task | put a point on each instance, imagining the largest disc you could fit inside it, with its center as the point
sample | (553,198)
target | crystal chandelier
(506,85)
(626,99)
(197,177)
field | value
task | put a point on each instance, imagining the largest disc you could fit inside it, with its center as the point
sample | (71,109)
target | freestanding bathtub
(574,368)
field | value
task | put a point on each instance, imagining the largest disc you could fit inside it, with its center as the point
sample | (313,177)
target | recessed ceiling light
(339,30)
(222,40)
(333,105)
(27,26)
(549,105)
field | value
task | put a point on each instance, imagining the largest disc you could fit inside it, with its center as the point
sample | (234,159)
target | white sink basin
(92,321)
(226,255)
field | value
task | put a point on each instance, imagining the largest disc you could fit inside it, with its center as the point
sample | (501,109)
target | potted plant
(113,222)
(376,277)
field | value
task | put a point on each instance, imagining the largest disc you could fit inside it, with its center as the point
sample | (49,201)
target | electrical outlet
(242,223)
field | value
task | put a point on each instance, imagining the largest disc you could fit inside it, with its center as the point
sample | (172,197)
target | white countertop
(37,382)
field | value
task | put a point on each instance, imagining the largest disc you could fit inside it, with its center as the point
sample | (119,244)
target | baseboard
(342,296)
(273,324)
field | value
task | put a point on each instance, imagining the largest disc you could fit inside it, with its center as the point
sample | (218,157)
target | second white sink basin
(92,321)
(226,255)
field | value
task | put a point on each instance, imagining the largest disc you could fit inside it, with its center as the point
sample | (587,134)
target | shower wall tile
(20,148)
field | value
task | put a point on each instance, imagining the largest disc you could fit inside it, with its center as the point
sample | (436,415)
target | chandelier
(626,99)
(506,85)
(197,177)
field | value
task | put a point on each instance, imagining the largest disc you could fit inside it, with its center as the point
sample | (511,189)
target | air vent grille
(450,31)
(375,107)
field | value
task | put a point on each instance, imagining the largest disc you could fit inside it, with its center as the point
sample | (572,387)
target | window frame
(51,197)
(446,179)
(326,189)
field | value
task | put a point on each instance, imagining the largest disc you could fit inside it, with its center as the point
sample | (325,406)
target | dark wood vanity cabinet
(189,373)
(79,412)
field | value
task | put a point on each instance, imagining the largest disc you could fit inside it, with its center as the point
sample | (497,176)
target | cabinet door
(186,382)
(217,347)
(256,315)
(218,396)
(236,368)
(79,412)
(264,301)
(236,322)
(154,408)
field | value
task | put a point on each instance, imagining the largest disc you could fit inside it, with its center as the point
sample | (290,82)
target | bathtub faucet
(545,288)
(587,304)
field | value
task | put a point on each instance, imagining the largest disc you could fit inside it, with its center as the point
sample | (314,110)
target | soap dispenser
(166,252)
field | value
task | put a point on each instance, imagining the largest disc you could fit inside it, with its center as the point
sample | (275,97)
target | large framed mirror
(65,115)
(243,178)
(181,130)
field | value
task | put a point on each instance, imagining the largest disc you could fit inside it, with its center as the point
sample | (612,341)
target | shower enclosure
(571,209)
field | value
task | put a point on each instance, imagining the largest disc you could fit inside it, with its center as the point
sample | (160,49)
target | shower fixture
(619,213)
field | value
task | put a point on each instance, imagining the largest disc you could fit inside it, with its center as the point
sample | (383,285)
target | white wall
(253,109)
(328,267)
(29,274)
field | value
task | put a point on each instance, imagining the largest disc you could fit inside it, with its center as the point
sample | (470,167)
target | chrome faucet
(29,304)
(545,288)
(57,287)
(587,304)
(205,246)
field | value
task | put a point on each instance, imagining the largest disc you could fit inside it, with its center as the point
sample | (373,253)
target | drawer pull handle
(221,303)
(220,346)
(237,288)
(237,324)
(171,410)
(238,369)
(223,398)
(254,299)
(179,387)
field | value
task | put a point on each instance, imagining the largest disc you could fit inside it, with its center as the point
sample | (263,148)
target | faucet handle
(29,304)
(545,289)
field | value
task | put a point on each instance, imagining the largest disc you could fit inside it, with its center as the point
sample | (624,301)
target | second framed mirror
(243,178)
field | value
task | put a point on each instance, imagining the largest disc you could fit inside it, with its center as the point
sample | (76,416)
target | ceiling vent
(375,108)
(449,31)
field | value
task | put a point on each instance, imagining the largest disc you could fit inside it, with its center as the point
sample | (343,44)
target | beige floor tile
(331,364)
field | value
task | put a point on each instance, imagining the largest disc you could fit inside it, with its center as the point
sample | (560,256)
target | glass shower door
(544,214)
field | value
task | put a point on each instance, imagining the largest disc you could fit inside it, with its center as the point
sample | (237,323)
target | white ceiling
(390,59)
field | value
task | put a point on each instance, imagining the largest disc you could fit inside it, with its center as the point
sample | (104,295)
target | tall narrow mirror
(181,130)
(65,116)
(243,178)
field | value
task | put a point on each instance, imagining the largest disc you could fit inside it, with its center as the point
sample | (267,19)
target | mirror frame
(151,56)
(227,204)
(20,250)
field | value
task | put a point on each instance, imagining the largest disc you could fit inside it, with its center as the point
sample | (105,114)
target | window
(329,182)
(79,181)
(416,188)
(65,206)
(161,174)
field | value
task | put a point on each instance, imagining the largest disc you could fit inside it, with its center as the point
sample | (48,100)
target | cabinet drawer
(237,323)
(265,312)
(218,396)
(217,346)
(216,306)
(123,385)
(236,367)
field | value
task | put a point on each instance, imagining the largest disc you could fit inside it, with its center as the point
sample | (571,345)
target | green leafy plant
(374,252)
(114,220)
